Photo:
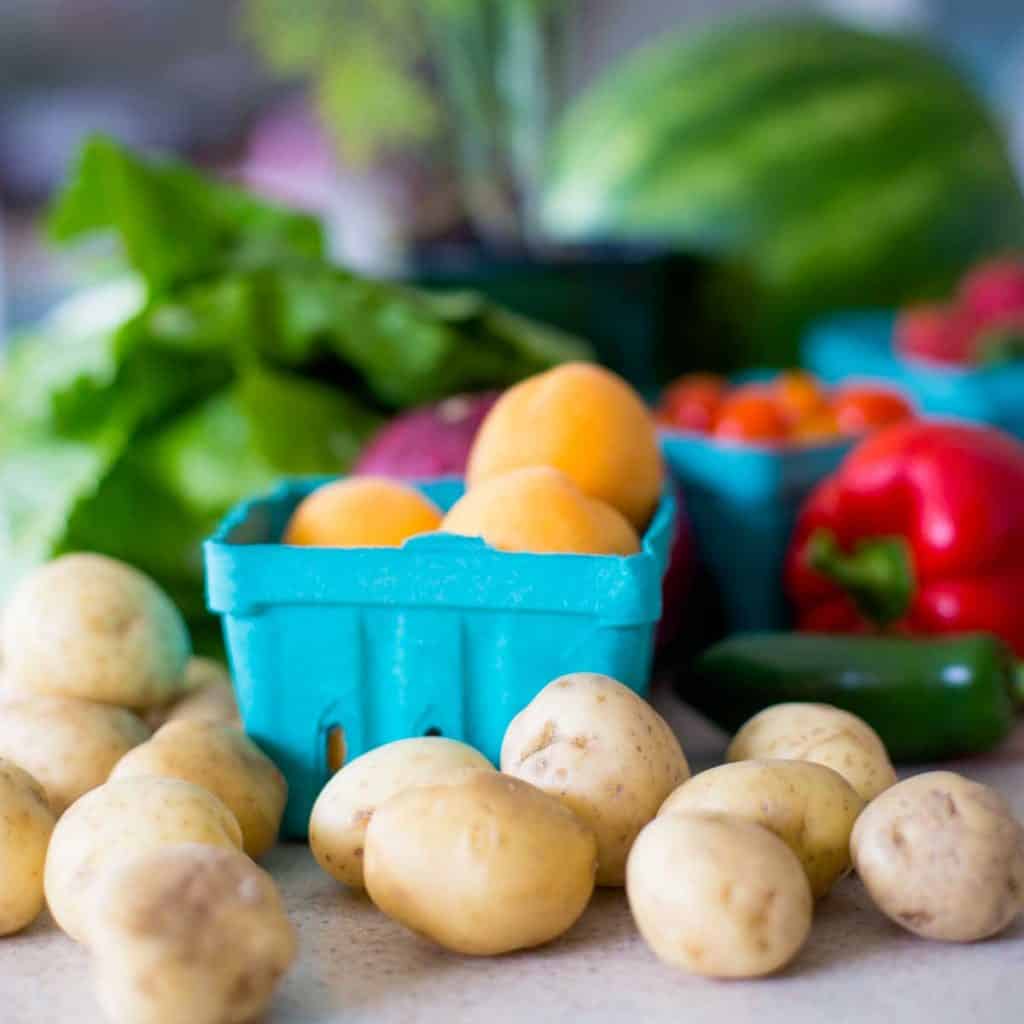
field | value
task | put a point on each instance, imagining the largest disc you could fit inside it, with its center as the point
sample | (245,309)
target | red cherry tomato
(751,414)
(692,402)
(864,407)
(820,425)
(994,290)
(799,394)
(936,334)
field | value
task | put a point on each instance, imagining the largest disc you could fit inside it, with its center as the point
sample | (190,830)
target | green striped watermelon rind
(820,154)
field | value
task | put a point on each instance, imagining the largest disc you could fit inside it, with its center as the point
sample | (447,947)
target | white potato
(602,750)
(89,626)
(481,867)
(117,821)
(717,895)
(69,745)
(189,933)
(943,857)
(811,808)
(26,822)
(822,734)
(337,826)
(222,759)
(207,696)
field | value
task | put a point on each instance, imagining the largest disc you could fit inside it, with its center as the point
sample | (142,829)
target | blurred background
(368,113)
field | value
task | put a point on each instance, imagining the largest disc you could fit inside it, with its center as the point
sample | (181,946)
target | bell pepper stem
(878,574)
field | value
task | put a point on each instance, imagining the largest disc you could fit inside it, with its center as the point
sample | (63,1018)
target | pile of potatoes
(722,870)
(132,804)
(132,801)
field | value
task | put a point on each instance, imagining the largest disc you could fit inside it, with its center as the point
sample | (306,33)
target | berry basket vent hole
(335,748)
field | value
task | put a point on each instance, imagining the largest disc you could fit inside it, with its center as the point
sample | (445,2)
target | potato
(337,826)
(822,734)
(602,750)
(116,822)
(26,822)
(481,867)
(223,760)
(717,895)
(69,745)
(811,808)
(942,856)
(208,696)
(192,933)
(92,627)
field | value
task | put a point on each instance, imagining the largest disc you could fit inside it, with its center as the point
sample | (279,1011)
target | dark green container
(650,314)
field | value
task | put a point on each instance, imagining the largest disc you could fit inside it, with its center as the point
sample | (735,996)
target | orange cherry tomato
(864,407)
(692,402)
(820,425)
(799,394)
(751,414)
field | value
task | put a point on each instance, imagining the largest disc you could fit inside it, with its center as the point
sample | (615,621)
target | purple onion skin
(432,440)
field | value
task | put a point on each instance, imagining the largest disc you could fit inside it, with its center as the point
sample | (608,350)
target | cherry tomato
(859,408)
(751,414)
(820,425)
(692,402)
(936,334)
(799,394)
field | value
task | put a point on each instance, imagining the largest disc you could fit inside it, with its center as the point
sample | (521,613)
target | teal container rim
(431,570)
(742,450)
(883,321)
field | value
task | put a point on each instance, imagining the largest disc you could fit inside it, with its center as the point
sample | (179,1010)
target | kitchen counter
(356,966)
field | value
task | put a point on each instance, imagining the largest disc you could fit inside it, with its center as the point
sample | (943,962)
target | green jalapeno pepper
(927,698)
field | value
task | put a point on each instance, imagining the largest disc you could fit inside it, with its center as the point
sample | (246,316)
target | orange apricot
(540,509)
(587,422)
(362,511)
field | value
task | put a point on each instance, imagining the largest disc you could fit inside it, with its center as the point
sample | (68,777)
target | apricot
(539,509)
(583,420)
(362,512)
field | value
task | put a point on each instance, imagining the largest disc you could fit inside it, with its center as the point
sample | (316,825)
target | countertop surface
(356,966)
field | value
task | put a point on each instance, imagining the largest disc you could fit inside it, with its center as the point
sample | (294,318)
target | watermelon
(821,165)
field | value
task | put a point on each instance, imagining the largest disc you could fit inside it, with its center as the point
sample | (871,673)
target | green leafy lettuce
(231,353)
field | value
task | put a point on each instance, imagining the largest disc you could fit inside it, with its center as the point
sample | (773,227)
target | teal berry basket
(443,636)
(860,344)
(743,501)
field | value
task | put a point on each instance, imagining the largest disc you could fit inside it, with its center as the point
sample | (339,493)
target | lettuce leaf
(231,353)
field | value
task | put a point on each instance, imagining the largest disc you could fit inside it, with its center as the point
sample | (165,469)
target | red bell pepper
(921,530)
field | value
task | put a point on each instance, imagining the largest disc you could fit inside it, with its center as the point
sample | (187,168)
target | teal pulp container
(443,636)
(860,344)
(743,501)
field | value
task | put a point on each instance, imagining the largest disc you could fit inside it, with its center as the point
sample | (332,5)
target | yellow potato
(208,696)
(822,734)
(482,867)
(68,745)
(811,808)
(943,857)
(116,822)
(222,759)
(717,895)
(189,933)
(602,750)
(26,822)
(337,826)
(92,627)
